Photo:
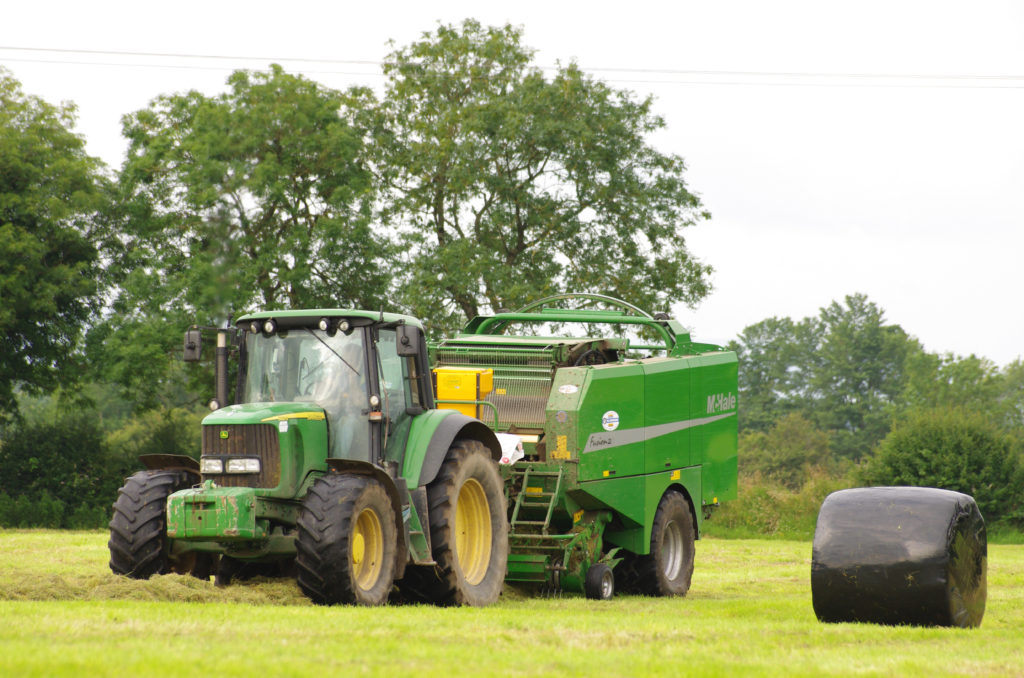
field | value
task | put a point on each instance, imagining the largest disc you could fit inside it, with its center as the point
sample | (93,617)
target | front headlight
(243,465)
(208,465)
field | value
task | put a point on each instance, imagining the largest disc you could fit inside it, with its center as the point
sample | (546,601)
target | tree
(508,186)
(50,194)
(775,355)
(787,452)
(858,372)
(953,449)
(255,198)
(844,370)
(939,380)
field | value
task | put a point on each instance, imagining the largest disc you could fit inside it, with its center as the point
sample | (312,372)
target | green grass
(748,613)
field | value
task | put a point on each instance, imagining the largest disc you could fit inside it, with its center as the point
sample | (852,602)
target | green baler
(628,445)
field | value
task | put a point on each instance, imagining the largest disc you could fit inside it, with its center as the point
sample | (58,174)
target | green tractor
(328,465)
(357,458)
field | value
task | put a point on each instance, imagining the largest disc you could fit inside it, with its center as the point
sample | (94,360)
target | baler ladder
(536,499)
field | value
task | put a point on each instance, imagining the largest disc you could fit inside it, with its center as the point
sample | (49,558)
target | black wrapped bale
(900,555)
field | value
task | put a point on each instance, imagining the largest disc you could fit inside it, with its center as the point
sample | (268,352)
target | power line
(172,55)
(189,67)
(700,73)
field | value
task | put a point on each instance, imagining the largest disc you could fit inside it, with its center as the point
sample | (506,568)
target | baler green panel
(610,422)
(561,424)
(636,501)
(528,567)
(667,408)
(715,397)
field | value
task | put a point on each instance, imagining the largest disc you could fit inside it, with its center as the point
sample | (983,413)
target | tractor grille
(522,381)
(249,440)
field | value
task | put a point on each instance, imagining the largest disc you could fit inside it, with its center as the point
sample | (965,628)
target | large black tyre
(346,542)
(138,529)
(468,532)
(668,568)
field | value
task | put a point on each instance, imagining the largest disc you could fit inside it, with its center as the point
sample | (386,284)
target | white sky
(906,189)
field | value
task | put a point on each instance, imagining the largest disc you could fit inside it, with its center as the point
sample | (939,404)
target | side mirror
(409,338)
(193,346)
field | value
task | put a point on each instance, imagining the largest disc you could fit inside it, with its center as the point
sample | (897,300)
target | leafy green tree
(1011,397)
(953,449)
(858,371)
(775,355)
(508,185)
(844,370)
(939,380)
(256,198)
(51,193)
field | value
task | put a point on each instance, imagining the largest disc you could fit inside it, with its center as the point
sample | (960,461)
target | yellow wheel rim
(366,551)
(473,531)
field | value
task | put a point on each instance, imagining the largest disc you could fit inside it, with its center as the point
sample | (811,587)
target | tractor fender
(453,426)
(399,498)
(171,462)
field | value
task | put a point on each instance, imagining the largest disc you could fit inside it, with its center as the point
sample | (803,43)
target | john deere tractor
(372,465)
(334,463)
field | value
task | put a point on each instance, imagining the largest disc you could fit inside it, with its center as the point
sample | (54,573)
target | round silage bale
(900,555)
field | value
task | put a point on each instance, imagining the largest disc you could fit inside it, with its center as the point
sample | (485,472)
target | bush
(766,508)
(788,453)
(952,449)
(58,469)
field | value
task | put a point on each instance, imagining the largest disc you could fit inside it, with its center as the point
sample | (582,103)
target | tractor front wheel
(138,530)
(468,531)
(346,542)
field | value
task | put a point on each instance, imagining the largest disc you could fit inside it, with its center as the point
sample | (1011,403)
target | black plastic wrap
(900,555)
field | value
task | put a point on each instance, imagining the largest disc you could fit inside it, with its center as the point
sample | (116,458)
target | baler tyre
(668,569)
(468,531)
(600,582)
(346,542)
(138,529)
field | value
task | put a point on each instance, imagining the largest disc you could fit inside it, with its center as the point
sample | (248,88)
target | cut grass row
(749,613)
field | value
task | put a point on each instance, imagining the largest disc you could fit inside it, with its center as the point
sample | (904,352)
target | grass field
(748,613)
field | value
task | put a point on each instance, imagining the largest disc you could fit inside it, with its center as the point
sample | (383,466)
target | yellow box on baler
(462,383)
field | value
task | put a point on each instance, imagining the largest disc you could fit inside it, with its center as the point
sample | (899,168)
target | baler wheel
(346,542)
(668,569)
(600,582)
(138,528)
(468,531)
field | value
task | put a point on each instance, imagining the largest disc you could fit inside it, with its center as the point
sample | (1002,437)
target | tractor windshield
(304,365)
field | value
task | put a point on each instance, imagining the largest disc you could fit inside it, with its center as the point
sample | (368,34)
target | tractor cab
(364,370)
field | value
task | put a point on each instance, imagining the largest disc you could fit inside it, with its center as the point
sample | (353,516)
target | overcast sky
(841,147)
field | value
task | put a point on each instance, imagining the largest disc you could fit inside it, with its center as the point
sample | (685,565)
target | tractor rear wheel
(346,542)
(468,531)
(138,529)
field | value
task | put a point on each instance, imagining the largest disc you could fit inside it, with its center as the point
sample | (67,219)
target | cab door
(398,393)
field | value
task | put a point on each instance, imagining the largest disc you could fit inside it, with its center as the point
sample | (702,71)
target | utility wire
(935,80)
